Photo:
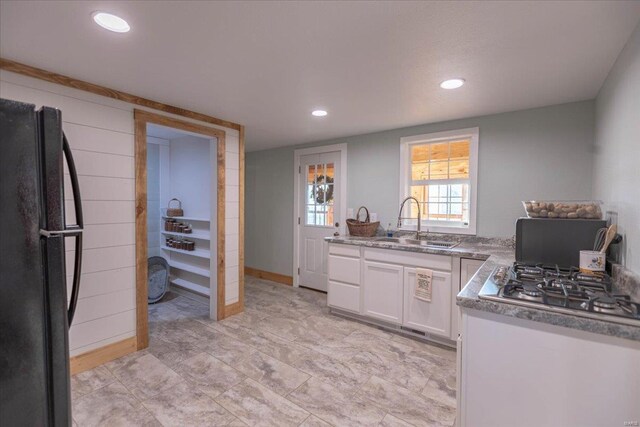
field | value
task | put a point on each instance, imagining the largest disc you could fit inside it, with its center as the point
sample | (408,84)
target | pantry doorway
(179,160)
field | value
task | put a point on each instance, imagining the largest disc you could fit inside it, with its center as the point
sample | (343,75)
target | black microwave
(555,241)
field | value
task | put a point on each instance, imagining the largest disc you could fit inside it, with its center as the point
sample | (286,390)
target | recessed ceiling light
(111,22)
(319,113)
(452,83)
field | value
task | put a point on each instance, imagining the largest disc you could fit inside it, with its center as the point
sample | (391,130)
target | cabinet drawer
(344,250)
(413,259)
(344,296)
(344,269)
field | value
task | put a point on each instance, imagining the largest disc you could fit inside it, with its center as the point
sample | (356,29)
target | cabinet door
(382,289)
(433,317)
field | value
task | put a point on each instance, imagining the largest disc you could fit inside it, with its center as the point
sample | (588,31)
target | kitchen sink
(431,243)
(427,243)
(388,239)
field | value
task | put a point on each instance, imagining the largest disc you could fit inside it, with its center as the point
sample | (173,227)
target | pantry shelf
(201,253)
(202,235)
(191,286)
(186,218)
(190,268)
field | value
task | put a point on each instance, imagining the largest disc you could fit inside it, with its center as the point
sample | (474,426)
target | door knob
(337,224)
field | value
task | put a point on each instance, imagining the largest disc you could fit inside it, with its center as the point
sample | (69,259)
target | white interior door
(319,199)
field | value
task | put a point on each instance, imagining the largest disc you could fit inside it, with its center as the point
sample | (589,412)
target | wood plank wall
(101,133)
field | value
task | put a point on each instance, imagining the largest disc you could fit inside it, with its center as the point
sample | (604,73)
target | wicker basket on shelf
(364,228)
(175,211)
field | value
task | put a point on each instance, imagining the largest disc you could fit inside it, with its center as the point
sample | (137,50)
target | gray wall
(541,153)
(616,178)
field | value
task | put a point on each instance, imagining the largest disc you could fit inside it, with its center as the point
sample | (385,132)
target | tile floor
(283,362)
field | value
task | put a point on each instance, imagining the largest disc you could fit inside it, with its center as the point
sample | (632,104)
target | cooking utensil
(611,234)
(600,237)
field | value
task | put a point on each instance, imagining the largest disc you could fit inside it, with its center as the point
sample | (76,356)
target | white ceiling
(372,65)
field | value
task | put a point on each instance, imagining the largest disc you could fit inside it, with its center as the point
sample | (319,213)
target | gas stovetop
(560,289)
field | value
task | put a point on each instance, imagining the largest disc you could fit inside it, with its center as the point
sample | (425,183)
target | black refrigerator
(35,310)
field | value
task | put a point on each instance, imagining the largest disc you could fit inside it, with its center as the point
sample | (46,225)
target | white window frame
(405,175)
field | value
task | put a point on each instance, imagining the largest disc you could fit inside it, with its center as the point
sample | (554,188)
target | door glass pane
(310,191)
(330,172)
(311,174)
(320,194)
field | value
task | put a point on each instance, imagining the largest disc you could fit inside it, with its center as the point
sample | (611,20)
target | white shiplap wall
(101,133)
(232,217)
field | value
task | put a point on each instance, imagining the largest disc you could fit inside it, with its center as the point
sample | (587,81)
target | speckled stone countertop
(496,252)
(465,249)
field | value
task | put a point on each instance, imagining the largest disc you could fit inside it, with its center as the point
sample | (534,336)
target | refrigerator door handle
(67,232)
(74,230)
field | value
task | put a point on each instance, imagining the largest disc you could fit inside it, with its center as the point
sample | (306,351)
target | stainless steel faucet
(400,218)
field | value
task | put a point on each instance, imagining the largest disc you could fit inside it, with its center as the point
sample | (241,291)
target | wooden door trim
(142,118)
(268,275)
(39,73)
(240,227)
(342,148)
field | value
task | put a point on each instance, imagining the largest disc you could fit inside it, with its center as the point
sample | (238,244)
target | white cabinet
(433,317)
(343,288)
(380,283)
(573,377)
(382,291)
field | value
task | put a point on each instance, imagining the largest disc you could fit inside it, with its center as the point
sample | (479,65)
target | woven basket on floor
(364,228)
(158,278)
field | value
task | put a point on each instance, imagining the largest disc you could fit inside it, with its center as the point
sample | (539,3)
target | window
(319,204)
(440,171)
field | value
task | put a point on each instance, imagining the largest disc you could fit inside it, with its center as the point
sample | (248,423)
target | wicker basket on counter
(364,228)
